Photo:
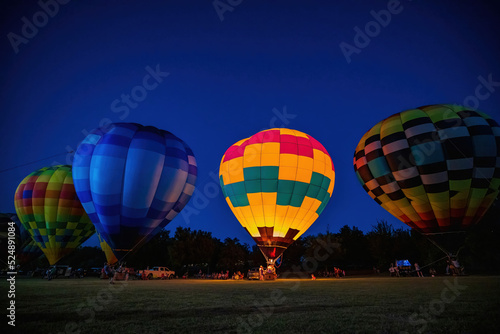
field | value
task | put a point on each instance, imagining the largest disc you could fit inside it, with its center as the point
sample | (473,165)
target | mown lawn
(368,304)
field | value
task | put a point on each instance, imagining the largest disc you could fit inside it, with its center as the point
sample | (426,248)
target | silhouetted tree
(85,257)
(193,248)
(380,241)
(354,246)
(153,253)
(232,255)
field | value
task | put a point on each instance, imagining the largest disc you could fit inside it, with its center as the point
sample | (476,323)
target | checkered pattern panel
(130,179)
(277,182)
(183,199)
(48,207)
(28,253)
(436,168)
(27,249)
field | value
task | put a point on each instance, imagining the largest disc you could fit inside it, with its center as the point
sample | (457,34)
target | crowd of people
(112,273)
(335,273)
(453,267)
(236,275)
(215,275)
(397,271)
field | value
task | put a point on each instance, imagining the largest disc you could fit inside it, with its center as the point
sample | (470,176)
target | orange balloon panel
(277,183)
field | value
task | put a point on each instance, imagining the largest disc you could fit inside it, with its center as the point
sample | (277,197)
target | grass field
(348,305)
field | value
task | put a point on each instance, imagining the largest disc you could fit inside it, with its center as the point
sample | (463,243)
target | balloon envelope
(28,250)
(108,252)
(277,183)
(132,181)
(48,208)
(436,168)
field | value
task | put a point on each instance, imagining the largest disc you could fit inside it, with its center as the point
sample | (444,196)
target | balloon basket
(270,276)
(270,272)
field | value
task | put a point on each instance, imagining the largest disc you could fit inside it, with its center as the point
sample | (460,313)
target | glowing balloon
(132,181)
(277,183)
(47,206)
(436,168)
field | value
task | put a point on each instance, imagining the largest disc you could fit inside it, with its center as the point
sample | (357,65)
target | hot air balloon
(132,181)
(6,221)
(277,183)
(436,168)
(108,252)
(47,206)
(28,250)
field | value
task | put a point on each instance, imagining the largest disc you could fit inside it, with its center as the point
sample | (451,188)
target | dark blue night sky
(296,64)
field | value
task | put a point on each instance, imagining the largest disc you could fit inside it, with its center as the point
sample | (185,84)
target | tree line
(349,249)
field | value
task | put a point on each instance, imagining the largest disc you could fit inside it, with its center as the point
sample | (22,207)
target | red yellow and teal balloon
(436,168)
(47,206)
(277,183)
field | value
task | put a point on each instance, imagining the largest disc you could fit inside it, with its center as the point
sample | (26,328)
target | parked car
(60,271)
(79,273)
(157,272)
